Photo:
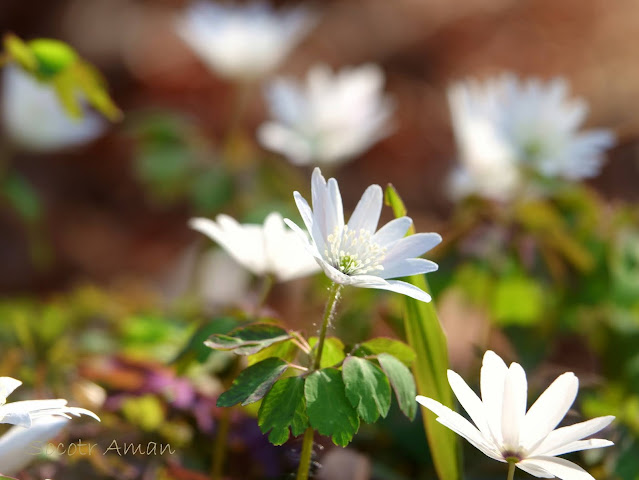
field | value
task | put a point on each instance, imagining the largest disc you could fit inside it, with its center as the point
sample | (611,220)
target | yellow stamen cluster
(353,252)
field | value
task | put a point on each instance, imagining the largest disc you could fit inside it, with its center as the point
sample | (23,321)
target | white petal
(392,231)
(400,287)
(305,211)
(303,238)
(559,467)
(566,435)
(285,141)
(578,446)
(334,274)
(470,402)
(7,386)
(19,445)
(534,470)
(335,206)
(368,210)
(549,409)
(514,406)
(492,378)
(319,194)
(460,426)
(411,247)
(407,267)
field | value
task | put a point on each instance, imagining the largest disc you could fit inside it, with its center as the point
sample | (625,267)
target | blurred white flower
(19,446)
(331,119)
(34,118)
(268,249)
(221,281)
(506,129)
(354,253)
(25,412)
(504,431)
(243,41)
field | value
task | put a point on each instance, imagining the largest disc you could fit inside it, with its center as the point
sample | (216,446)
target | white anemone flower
(20,446)
(243,42)
(25,412)
(354,253)
(34,118)
(504,431)
(331,119)
(506,128)
(268,249)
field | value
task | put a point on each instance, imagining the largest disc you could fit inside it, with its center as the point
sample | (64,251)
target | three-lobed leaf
(284,407)
(367,388)
(253,383)
(329,411)
(402,381)
(248,340)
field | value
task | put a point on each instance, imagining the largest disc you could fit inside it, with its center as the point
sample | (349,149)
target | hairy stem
(329,313)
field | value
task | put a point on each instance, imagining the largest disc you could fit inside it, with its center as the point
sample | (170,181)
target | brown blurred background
(98,217)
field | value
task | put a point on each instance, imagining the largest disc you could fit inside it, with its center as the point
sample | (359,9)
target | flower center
(353,252)
(514,456)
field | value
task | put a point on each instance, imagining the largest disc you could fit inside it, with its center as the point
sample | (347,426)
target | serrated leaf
(426,337)
(284,406)
(333,352)
(402,381)
(367,388)
(248,340)
(397,349)
(329,411)
(253,383)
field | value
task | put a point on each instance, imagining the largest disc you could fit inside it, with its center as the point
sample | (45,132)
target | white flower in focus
(25,412)
(18,447)
(243,41)
(268,249)
(355,253)
(506,128)
(331,119)
(34,118)
(504,431)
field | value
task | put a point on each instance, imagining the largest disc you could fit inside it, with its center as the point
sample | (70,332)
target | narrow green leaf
(333,352)
(283,407)
(426,337)
(22,197)
(248,340)
(20,52)
(253,383)
(397,349)
(89,80)
(367,388)
(329,411)
(402,381)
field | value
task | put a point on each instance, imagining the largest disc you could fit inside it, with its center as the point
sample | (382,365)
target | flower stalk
(511,470)
(307,452)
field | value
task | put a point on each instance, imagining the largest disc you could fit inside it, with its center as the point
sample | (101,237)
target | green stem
(511,470)
(267,285)
(329,312)
(219,447)
(305,458)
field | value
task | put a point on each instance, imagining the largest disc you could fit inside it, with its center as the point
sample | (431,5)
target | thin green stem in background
(267,285)
(219,447)
(511,470)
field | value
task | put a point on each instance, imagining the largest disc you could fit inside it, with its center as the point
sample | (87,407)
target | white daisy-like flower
(268,249)
(34,118)
(25,412)
(354,253)
(507,129)
(504,431)
(331,119)
(19,446)
(243,42)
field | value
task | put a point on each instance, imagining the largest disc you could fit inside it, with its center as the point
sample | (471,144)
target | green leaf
(397,349)
(90,81)
(22,197)
(285,350)
(402,381)
(53,56)
(253,383)
(20,52)
(283,407)
(426,337)
(195,350)
(329,411)
(212,189)
(367,388)
(333,352)
(248,340)
(518,301)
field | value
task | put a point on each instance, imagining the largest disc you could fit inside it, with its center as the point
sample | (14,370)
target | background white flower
(505,127)
(262,249)
(34,118)
(19,445)
(332,118)
(25,412)
(355,253)
(243,41)
(504,431)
